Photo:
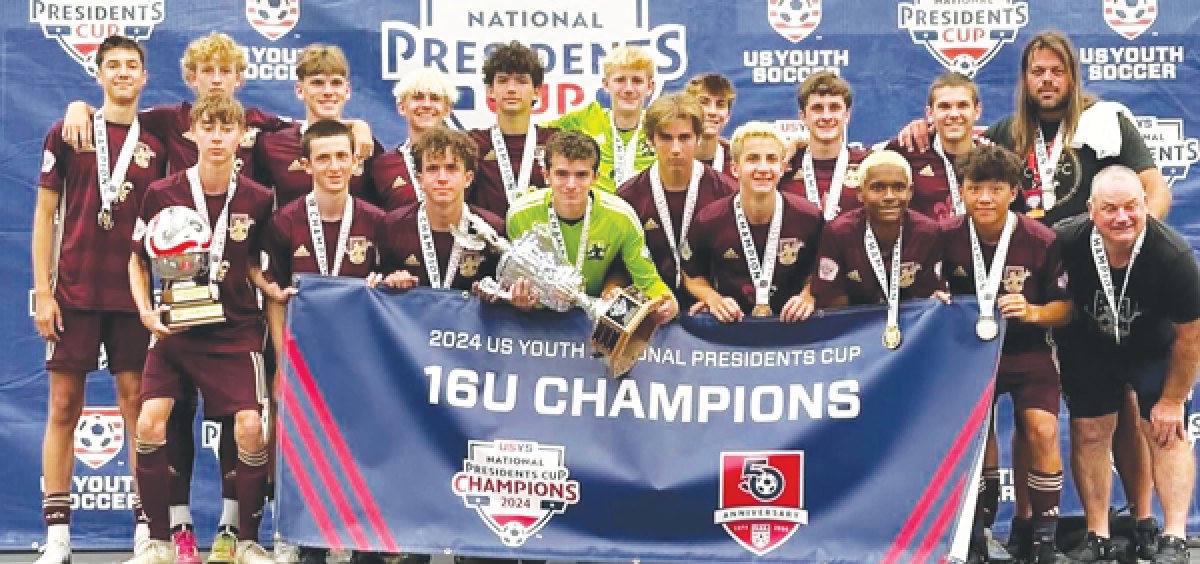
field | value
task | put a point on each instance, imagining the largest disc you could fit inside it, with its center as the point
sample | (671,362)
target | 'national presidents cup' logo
(515,486)
(963,38)
(794,19)
(1130,18)
(99,436)
(81,25)
(761,500)
(273,18)
(1174,152)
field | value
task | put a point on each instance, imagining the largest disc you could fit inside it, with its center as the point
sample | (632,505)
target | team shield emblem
(794,19)
(273,18)
(761,498)
(515,509)
(963,39)
(80,38)
(1130,18)
(99,436)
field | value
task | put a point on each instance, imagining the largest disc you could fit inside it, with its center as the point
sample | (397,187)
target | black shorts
(1094,385)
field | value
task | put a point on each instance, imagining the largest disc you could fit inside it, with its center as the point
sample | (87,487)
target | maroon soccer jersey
(394,187)
(487,190)
(277,165)
(1033,268)
(716,250)
(713,186)
(843,268)
(400,249)
(793,180)
(931,187)
(288,242)
(249,213)
(173,124)
(93,264)
(726,162)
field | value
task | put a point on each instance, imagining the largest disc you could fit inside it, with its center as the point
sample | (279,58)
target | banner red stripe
(949,510)
(909,530)
(291,457)
(341,450)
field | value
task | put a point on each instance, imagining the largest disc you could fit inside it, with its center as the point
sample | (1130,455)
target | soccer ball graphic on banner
(99,436)
(273,18)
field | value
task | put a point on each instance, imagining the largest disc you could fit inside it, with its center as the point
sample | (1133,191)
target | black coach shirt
(1164,290)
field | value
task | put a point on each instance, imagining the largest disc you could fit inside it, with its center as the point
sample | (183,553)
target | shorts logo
(273,18)
(761,498)
(1130,18)
(99,436)
(1173,151)
(515,486)
(80,27)
(794,19)
(965,38)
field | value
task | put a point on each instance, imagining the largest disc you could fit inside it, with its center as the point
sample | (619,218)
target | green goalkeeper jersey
(613,232)
(594,121)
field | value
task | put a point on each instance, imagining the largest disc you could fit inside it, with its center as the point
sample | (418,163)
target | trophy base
(190,315)
(623,330)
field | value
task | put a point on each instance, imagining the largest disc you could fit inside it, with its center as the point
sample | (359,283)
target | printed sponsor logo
(963,38)
(80,26)
(761,498)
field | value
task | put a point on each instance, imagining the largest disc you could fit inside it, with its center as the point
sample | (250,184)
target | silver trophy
(177,241)
(624,326)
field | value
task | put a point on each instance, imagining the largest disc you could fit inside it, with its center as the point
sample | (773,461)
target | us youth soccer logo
(965,38)
(1173,151)
(80,26)
(99,436)
(1130,18)
(794,19)
(516,487)
(273,18)
(761,503)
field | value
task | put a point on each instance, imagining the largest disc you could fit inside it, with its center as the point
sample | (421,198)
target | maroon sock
(227,453)
(56,508)
(1045,490)
(154,481)
(252,492)
(989,497)
(181,450)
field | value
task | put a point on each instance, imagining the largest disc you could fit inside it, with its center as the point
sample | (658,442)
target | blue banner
(431,422)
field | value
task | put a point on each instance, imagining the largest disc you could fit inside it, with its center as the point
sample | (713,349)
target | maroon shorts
(1031,379)
(122,334)
(229,382)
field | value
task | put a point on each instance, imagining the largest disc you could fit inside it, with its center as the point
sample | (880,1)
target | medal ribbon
(318,234)
(960,208)
(1100,256)
(664,212)
(216,250)
(987,281)
(560,244)
(1047,165)
(406,152)
(513,187)
(891,288)
(719,157)
(624,155)
(760,272)
(425,231)
(110,180)
(834,195)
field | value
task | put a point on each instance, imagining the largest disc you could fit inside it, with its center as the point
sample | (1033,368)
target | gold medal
(1036,213)
(125,190)
(104,218)
(762,310)
(891,337)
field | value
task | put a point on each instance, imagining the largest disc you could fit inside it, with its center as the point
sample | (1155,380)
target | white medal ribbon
(425,231)
(987,281)
(960,208)
(110,180)
(514,187)
(560,244)
(318,234)
(216,250)
(891,287)
(411,166)
(813,192)
(1047,165)
(664,212)
(719,157)
(1100,256)
(761,272)
(624,155)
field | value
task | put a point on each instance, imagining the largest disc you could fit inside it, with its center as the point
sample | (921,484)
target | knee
(65,407)
(248,431)
(1091,432)
(1042,431)
(151,428)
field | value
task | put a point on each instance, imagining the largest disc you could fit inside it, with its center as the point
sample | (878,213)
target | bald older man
(1136,289)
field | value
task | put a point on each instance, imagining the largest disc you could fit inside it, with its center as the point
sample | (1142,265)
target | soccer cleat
(977,551)
(1020,536)
(1171,550)
(154,552)
(54,552)
(1043,553)
(1093,549)
(1147,536)
(286,553)
(310,555)
(250,552)
(185,546)
(224,546)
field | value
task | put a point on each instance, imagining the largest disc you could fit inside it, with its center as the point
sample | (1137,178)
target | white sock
(229,513)
(60,533)
(141,531)
(180,515)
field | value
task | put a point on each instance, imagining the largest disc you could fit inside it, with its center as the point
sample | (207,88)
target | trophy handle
(490,286)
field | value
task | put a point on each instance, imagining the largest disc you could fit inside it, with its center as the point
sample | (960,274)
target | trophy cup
(623,324)
(177,240)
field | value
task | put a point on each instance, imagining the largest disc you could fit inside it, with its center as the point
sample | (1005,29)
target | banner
(430,422)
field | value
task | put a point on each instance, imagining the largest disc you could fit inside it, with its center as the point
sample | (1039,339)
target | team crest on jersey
(469,267)
(827,269)
(596,250)
(852,177)
(239,226)
(1130,18)
(908,273)
(273,18)
(1173,151)
(356,249)
(761,498)
(48,161)
(1063,281)
(794,19)
(142,154)
(1014,279)
(515,508)
(80,27)
(963,38)
(99,436)
(789,250)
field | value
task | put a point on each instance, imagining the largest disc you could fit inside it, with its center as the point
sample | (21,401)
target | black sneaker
(1146,534)
(311,555)
(1020,536)
(977,551)
(1171,550)
(1093,549)
(1043,553)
